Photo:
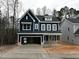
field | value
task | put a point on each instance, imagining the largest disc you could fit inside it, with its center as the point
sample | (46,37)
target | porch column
(49,38)
(56,39)
(42,42)
(18,40)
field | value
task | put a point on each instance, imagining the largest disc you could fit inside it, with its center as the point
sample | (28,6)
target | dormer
(48,18)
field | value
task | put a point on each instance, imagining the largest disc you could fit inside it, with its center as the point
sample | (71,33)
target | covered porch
(49,39)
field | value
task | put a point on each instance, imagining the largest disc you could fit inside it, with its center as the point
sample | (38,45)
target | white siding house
(69,29)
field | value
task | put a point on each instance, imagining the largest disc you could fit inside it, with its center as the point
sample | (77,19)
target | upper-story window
(26,27)
(48,18)
(36,26)
(42,27)
(48,27)
(54,27)
(26,17)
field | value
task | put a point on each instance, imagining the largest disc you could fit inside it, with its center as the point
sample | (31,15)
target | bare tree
(48,11)
(12,7)
(44,9)
(54,12)
(38,11)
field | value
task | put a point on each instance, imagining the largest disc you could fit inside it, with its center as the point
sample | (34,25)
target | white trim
(48,27)
(33,26)
(25,14)
(35,16)
(36,26)
(43,40)
(31,17)
(49,21)
(54,27)
(26,27)
(43,27)
(43,33)
(26,22)
(26,17)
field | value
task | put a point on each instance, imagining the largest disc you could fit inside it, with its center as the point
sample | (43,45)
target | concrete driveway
(33,52)
(26,52)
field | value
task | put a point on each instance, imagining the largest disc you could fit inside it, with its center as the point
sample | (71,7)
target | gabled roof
(42,18)
(73,20)
(39,17)
(77,32)
(31,15)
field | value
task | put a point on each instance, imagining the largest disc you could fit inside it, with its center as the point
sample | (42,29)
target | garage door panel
(33,40)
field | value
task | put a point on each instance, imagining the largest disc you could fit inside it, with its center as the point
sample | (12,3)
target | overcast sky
(51,4)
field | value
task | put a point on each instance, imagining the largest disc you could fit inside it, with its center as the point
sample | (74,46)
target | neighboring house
(38,29)
(70,30)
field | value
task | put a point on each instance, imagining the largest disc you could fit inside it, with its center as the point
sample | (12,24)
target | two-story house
(38,29)
(70,30)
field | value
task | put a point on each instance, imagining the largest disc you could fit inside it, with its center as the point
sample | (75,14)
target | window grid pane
(54,27)
(36,26)
(48,27)
(42,27)
(26,26)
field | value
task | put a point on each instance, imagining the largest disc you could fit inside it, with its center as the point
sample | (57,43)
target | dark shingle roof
(77,32)
(73,20)
(55,19)
(42,18)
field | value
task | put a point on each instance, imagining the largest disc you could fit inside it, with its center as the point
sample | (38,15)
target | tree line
(8,13)
(63,12)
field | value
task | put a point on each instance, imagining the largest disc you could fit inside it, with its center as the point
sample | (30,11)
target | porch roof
(39,32)
(77,32)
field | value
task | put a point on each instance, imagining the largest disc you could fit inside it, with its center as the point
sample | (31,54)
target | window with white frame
(48,27)
(54,27)
(36,26)
(26,27)
(42,27)
(26,17)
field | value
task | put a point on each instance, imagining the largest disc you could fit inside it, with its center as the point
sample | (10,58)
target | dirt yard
(63,48)
(6,48)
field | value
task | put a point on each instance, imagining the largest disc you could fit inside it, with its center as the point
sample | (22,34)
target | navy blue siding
(30,19)
(24,20)
(46,26)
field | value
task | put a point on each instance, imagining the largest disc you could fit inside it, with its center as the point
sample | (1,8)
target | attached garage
(31,40)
